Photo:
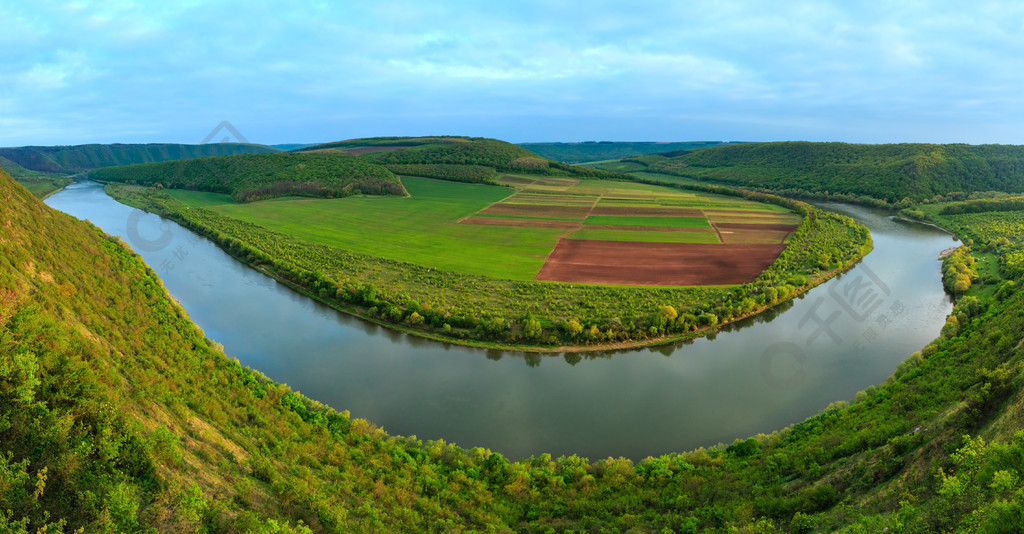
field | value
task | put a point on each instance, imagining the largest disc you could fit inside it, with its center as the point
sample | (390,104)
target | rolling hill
(915,172)
(74,159)
(606,150)
(250,177)
(467,159)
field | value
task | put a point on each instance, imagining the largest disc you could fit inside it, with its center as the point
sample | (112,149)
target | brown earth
(534,210)
(663,264)
(527,223)
(557,181)
(646,212)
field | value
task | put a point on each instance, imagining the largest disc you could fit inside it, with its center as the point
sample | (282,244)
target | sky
(294,72)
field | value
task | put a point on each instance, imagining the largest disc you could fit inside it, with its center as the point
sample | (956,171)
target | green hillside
(464,159)
(889,172)
(118,415)
(606,150)
(251,177)
(73,159)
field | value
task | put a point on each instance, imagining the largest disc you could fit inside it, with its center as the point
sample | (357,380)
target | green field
(421,228)
(675,222)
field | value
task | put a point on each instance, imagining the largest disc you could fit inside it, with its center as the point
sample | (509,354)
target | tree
(532,329)
(961,284)
(574,328)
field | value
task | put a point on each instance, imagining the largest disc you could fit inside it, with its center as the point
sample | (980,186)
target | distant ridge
(893,173)
(588,151)
(78,158)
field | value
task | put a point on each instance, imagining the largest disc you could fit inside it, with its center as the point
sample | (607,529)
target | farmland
(511,232)
(533,261)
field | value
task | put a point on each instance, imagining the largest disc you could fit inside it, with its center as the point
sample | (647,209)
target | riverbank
(361,313)
(496,314)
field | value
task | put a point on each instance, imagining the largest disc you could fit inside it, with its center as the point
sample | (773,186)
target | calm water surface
(756,376)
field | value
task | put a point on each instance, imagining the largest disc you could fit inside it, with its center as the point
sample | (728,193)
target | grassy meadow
(421,228)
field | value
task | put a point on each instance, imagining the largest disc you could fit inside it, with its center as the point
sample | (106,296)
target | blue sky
(875,72)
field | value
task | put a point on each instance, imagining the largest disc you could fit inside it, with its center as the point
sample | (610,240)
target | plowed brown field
(663,264)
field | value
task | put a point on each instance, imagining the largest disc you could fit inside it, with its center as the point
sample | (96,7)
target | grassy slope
(115,413)
(38,183)
(890,172)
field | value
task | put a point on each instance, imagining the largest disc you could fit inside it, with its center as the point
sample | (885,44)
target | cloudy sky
(123,71)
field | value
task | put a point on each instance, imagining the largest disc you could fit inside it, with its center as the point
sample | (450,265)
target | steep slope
(895,172)
(251,177)
(73,159)
(116,411)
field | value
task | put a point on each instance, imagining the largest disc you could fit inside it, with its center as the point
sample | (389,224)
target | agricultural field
(544,228)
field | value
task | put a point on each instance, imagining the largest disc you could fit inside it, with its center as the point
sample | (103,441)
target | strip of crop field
(644,236)
(680,222)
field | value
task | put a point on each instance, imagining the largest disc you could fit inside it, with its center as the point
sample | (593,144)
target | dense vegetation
(453,173)
(897,173)
(252,177)
(38,183)
(463,307)
(440,155)
(607,150)
(116,414)
(74,159)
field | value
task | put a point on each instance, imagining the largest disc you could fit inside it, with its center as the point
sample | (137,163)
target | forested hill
(251,177)
(469,159)
(73,159)
(605,150)
(118,415)
(888,172)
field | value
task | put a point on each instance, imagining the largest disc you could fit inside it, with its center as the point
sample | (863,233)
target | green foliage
(454,173)
(99,366)
(43,186)
(607,150)
(890,173)
(440,154)
(72,159)
(252,177)
(958,270)
(452,151)
(984,205)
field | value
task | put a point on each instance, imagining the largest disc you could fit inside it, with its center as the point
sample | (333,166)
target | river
(755,376)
